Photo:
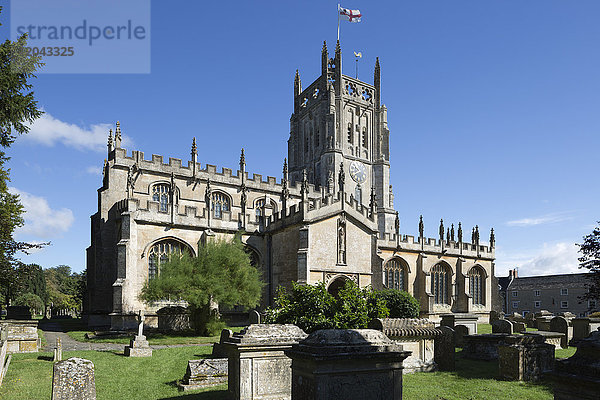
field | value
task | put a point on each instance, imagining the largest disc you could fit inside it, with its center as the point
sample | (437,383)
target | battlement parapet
(432,245)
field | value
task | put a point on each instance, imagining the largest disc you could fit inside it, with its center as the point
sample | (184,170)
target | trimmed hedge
(400,303)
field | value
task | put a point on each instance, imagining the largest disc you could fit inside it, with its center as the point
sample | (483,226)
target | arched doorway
(337,284)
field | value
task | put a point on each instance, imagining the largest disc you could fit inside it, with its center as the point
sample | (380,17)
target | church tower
(339,123)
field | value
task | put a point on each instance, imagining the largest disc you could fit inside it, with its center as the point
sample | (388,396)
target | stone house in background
(330,218)
(555,293)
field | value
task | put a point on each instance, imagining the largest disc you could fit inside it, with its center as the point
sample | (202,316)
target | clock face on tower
(358,171)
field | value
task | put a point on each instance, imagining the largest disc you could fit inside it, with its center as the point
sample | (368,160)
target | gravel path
(53,330)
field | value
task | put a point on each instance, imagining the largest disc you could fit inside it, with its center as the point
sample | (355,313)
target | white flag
(346,14)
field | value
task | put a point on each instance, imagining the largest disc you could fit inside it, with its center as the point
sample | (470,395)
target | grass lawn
(117,377)
(154,338)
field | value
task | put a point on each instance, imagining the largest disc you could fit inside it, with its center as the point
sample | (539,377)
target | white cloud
(551,259)
(41,220)
(544,219)
(94,170)
(49,131)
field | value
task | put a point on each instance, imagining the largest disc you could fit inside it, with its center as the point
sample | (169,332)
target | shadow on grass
(45,358)
(212,395)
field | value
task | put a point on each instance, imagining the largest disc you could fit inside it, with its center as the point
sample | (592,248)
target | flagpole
(338,18)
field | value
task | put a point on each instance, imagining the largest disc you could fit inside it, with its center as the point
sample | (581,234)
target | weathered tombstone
(583,327)
(495,315)
(502,326)
(460,331)
(254,317)
(519,327)
(205,373)
(454,319)
(444,349)
(553,338)
(218,351)
(561,325)
(349,364)
(73,379)
(139,347)
(58,350)
(578,377)
(530,320)
(524,358)
(543,323)
(258,367)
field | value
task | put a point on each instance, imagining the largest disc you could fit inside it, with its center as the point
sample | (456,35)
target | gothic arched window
(160,194)
(440,284)
(220,204)
(160,252)
(394,274)
(476,285)
(259,209)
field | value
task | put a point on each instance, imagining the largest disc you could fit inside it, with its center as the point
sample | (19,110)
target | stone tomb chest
(455,319)
(553,338)
(258,367)
(349,364)
(483,347)
(524,358)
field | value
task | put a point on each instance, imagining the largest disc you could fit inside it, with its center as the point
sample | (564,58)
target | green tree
(18,108)
(220,273)
(312,307)
(33,301)
(590,259)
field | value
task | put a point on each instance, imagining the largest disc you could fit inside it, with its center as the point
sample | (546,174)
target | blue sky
(492,107)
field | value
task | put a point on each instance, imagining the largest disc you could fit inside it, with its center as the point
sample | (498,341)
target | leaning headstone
(519,327)
(139,347)
(218,351)
(254,317)
(524,358)
(349,364)
(258,367)
(502,326)
(58,350)
(561,325)
(73,379)
(444,349)
(578,377)
(205,373)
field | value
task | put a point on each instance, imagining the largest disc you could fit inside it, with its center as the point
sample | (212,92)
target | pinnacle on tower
(242,161)
(377,83)
(421,226)
(194,149)
(324,58)
(338,49)
(460,237)
(492,239)
(297,84)
(285,169)
(441,230)
(118,135)
(452,232)
(110,141)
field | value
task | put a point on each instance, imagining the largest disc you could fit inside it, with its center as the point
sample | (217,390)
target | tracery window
(160,252)
(440,284)
(220,204)
(394,274)
(259,209)
(476,285)
(160,194)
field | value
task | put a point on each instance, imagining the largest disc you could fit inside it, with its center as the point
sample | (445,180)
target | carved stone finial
(476,231)
(194,147)
(324,50)
(338,49)
(452,232)
(342,177)
(441,230)
(208,192)
(242,161)
(492,239)
(460,233)
(285,169)
(397,224)
(110,140)
(421,226)
(304,185)
(118,135)
(448,235)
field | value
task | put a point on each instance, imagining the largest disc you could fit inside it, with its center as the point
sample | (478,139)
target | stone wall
(21,335)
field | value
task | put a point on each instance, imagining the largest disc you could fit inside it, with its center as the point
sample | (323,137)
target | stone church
(330,218)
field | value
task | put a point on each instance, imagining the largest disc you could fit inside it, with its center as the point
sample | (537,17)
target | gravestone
(530,320)
(73,379)
(495,315)
(561,325)
(543,323)
(465,319)
(218,351)
(583,327)
(349,364)
(444,349)
(254,317)
(502,326)
(553,338)
(139,347)
(519,327)
(483,347)
(578,377)
(258,367)
(524,358)
(460,331)
(58,350)
(205,373)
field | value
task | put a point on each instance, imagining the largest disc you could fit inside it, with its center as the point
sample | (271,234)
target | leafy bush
(33,301)
(595,314)
(400,303)
(312,308)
